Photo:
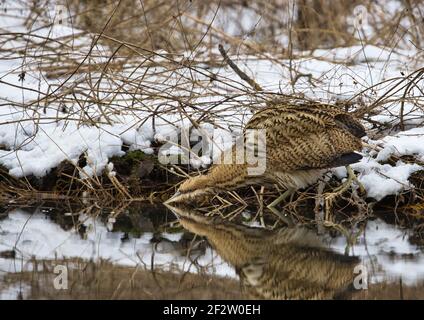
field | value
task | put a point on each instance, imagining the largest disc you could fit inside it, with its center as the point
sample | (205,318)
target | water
(144,251)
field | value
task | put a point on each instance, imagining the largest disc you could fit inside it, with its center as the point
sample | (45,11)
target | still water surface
(180,251)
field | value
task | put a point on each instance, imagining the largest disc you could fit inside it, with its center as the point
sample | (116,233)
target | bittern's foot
(330,197)
(281,215)
(348,183)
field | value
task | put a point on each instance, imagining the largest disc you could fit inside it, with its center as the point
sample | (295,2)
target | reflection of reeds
(392,289)
(103,280)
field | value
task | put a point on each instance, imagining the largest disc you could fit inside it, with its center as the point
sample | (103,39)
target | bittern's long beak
(174,198)
(188,213)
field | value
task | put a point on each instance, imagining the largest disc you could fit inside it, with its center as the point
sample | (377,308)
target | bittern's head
(192,188)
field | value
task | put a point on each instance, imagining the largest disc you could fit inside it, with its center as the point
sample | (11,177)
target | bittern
(289,263)
(303,141)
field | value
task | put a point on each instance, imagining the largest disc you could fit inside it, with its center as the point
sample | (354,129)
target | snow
(382,180)
(410,142)
(52,145)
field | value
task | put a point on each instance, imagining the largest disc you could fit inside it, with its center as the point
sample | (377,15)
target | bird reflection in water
(290,263)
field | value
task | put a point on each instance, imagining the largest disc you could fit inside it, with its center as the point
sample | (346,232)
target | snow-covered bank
(45,120)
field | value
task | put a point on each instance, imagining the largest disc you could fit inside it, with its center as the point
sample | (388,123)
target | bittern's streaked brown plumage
(290,263)
(302,143)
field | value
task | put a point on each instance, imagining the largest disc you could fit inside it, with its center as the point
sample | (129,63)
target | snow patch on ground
(380,178)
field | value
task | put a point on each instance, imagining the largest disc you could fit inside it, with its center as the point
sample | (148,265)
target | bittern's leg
(282,197)
(329,198)
(283,217)
(360,185)
(277,212)
(319,205)
(350,178)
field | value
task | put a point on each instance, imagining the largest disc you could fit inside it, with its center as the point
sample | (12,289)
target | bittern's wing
(308,136)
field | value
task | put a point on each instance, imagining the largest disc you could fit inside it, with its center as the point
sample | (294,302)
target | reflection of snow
(37,236)
(390,249)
